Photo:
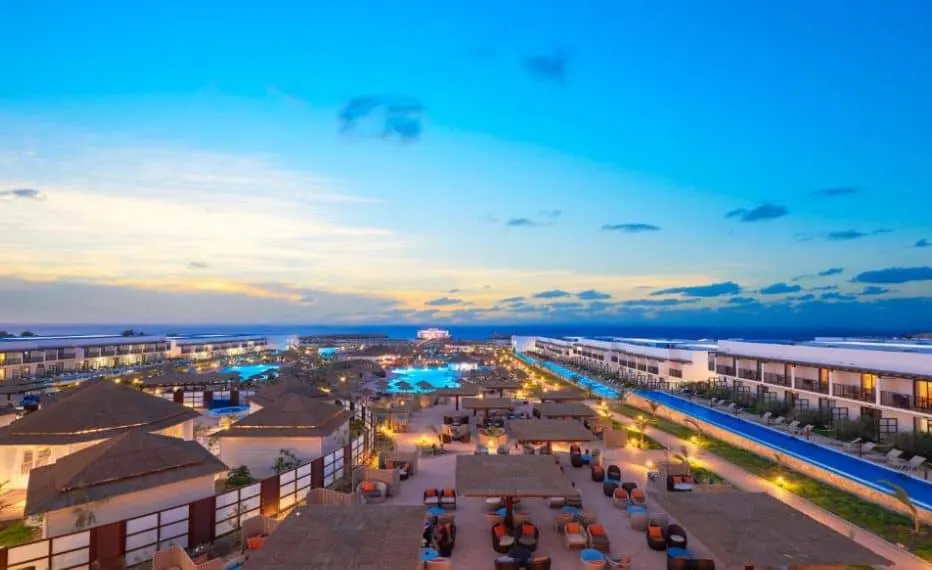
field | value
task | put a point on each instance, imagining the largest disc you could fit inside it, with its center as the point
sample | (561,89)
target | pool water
(598,388)
(248,371)
(435,377)
(839,462)
(227,411)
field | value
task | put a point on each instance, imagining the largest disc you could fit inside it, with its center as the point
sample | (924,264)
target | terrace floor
(473,545)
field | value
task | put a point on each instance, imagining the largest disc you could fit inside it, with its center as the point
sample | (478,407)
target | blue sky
(367,162)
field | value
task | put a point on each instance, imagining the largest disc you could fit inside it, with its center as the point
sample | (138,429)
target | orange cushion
(637,494)
(255,543)
(430,492)
(655,532)
(389,465)
(621,493)
(677,479)
(499,530)
(527,529)
(367,486)
(449,493)
(572,528)
(596,530)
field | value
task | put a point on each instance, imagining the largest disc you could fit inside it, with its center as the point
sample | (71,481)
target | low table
(683,487)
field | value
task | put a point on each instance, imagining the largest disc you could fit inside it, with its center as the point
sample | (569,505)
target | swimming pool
(436,377)
(228,411)
(599,389)
(247,371)
(839,462)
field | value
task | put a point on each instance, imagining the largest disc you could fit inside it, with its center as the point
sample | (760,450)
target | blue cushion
(675,552)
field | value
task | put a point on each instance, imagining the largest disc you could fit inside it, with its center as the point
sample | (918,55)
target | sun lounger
(868,447)
(853,444)
(911,465)
(766,417)
(805,429)
(778,421)
(792,426)
(892,456)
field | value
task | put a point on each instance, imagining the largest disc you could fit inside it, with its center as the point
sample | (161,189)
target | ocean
(278,334)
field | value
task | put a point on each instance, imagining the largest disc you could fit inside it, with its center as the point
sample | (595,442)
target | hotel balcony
(776,379)
(33,359)
(12,361)
(725,370)
(854,393)
(811,385)
(905,402)
(748,374)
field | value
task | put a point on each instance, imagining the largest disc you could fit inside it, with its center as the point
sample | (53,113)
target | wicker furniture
(502,540)
(597,473)
(432,497)
(372,491)
(620,498)
(598,538)
(448,498)
(613,473)
(527,535)
(574,536)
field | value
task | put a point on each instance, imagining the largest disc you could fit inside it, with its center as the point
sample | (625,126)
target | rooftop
(97,409)
(292,415)
(510,476)
(565,409)
(549,430)
(133,461)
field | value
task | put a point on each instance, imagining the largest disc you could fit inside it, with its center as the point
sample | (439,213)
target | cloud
(654,303)
(847,235)
(825,273)
(780,289)
(382,116)
(512,300)
(21,194)
(522,223)
(551,67)
(564,305)
(824,288)
(197,265)
(798,298)
(923,243)
(633,228)
(552,294)
(894,275)
(742,300)
(593,295)
(758,214)
(711,290)
(837,191)
(452,291)
(837,297)
(551,213)
(444,302)
(874,290)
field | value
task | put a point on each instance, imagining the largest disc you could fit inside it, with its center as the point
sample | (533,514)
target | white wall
(909,363)
(132,504)
(259,453)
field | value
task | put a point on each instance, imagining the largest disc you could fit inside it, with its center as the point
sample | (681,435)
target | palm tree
(700,433)
(903,497)
(685,458)
(642,422)
(654,406)
(84,516)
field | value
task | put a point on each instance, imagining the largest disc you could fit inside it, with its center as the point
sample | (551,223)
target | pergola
(565,410)
(324,537)
(746,530)
(510,476)
(456,393)
(565,395)
(549,431)
(487,404)
(498,384)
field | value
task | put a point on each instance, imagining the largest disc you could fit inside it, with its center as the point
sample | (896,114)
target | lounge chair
(527,536)
(778,421)
(608,487)
(732,407)
(792,426)
(851,445)
(506,563)
(676,536)
(432,497)
(892,456)
(620,498)
(805,429)
(576,460)
(598,538)
(502,541)
(637,519)
(574,536)
(911,465)
(448,498)
(868,447)
(539,563)
(766,417)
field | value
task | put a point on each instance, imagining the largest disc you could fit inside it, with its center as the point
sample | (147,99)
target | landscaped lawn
(892,526)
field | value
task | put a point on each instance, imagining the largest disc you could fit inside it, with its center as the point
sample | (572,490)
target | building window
(26,467)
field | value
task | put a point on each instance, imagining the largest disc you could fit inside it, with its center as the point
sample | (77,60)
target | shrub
(847,429)
(914,443)
(820,419)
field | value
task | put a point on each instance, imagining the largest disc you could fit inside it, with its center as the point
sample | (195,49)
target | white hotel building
(39,357)
(890,380)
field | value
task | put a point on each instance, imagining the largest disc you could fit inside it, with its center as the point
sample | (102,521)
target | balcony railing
(748,374)
(811,385)
(853,393)
(653,369)
(9,360)
(905,401)
(33,359)
(776,379)
(726,370)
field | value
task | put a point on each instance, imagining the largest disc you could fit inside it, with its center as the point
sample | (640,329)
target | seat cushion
(575,539)
(506,540)
(596,530)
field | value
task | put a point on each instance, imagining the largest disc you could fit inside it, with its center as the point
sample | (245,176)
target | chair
(372,491)
(620,498)
(892,455)
(851,445)
(556,502)
(613,473)
(448,498)
(608,487)
(592,564)
(778,421)
(638,519)
(527,536)
(598,473)
(792,426)
(574,536)
(676,536)
(501,540)
(598,538)
(805,429)
(432,497)
(766,417)
(638,497)
(656,538)
(868,447)
(576,460)
(539,563)
(618,563)
(574,500)
(494,518)
(912,465)
(441,563)
(506,563)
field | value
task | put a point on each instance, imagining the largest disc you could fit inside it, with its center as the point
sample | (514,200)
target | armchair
(432,497)
(448,498)
(502,541)
(574,536)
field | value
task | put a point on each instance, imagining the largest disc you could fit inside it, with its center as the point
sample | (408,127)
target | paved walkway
(749,482)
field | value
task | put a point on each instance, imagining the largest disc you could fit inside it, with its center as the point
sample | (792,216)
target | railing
(726,370)
(748,374)
(777,379)
(34,359)
(811,385)
(853,393)
(905,401)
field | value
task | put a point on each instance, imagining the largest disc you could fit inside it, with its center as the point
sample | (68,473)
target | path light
(649,464)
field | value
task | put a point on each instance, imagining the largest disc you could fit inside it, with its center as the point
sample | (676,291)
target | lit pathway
(749,482)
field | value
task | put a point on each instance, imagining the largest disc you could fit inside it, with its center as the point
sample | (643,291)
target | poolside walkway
(749,482)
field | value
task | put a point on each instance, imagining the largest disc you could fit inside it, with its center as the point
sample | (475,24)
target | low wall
(865,492)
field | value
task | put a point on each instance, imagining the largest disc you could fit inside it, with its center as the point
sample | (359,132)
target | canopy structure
(564,410)
(487,404)
(468,390)
(550,431)
(510,476)
(564,395)
(323,537)
(755,529)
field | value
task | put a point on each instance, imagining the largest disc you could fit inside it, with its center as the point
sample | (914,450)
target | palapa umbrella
(403,386)
(425,385)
